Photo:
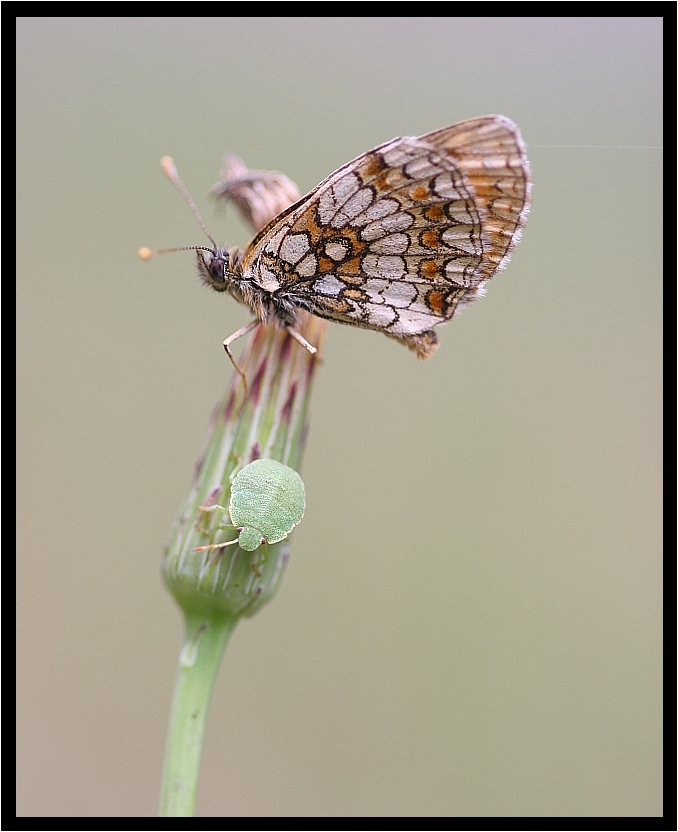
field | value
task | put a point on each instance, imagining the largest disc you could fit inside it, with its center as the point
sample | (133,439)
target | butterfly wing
(399,238)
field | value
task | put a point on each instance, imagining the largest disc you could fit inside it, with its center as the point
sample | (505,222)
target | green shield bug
(267,501)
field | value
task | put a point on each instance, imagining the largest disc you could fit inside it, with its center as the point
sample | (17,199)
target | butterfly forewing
(398,238)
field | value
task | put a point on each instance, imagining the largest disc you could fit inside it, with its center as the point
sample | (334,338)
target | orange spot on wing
(372,167)
(307,222)
(435,302)
(430,239)
(351,279)
(352,266)
(325,265)
(434,213)
(429,269)
(332,304)
(420,192)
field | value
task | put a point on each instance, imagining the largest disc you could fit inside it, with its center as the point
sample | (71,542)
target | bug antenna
(147,253)
(170,171)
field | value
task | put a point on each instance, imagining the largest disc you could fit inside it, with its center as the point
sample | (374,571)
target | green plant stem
(267,419)
(198,665)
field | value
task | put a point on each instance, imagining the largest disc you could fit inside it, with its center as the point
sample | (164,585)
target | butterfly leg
(231,338)
(299,338)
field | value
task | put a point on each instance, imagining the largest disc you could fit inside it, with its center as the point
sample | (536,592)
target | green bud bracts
(266,500)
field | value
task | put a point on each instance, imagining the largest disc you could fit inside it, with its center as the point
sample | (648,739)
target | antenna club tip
(145,253)
(168,166)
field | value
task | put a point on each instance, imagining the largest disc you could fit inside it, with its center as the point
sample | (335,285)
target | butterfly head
(218,267)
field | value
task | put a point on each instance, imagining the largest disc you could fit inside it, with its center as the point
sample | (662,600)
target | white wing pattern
(401,237)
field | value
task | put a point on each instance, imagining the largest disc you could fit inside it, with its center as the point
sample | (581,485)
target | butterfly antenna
(170,171)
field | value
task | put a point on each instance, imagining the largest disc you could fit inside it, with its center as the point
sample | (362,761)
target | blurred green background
(470,624)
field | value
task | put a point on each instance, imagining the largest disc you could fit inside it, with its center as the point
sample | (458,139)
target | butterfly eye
(217,269)
(213,268)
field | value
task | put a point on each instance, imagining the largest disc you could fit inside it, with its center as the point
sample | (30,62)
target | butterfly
(397,241)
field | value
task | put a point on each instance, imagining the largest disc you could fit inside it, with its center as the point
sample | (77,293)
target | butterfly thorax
(225,271)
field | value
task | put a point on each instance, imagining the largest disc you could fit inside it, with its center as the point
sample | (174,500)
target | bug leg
(221,528)
(215,546)
(208,509)
(226,527)
(299,338)
(231,338)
